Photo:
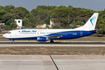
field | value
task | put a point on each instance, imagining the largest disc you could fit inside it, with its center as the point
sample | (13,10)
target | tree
(8,27)
(101,23)
(13,25)
(8,18)
(39,21)
(2,13)
(1,7)
(26,22)
(42,13)
(2,26)
(32,25)
(0,30)
(8,8)
(21,12)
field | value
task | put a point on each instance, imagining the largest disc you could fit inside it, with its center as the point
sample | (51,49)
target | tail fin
(91,23)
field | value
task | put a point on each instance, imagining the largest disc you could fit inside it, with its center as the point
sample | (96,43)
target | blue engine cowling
(41,39)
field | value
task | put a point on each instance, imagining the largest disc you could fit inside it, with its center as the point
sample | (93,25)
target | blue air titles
(34,30)
(28,31)
(25,31)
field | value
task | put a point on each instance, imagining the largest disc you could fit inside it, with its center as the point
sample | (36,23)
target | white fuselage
(46,34)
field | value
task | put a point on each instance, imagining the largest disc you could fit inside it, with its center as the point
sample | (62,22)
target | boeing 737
(53,34)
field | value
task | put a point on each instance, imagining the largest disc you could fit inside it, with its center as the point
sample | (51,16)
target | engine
(42,39)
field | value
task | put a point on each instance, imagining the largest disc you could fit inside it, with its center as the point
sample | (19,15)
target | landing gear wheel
(51,41)
(13,41)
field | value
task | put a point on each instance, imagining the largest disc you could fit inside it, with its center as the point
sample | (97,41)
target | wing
(54,36)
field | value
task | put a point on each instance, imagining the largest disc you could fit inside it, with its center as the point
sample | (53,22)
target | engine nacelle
(41,38)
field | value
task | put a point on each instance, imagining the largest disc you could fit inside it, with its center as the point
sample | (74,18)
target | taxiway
(48,44)
(54,62)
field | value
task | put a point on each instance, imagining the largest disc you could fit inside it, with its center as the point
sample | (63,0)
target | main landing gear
(13,41)
(51,41)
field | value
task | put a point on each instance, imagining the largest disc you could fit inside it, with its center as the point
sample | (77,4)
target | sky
(96,5)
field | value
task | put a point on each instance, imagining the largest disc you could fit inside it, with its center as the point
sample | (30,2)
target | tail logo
(92,19)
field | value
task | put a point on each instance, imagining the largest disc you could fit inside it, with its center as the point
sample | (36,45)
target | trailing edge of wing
(55,36)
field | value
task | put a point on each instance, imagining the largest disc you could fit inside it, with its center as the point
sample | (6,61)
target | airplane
(54,34)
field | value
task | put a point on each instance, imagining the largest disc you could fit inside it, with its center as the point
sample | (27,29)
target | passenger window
(37,32)
(42,32)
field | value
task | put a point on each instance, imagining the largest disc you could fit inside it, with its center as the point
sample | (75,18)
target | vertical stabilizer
(91,23)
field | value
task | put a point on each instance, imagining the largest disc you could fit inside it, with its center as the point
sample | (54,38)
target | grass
(53,50)
(89,39)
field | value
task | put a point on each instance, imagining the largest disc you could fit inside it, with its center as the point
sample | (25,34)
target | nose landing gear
(12,40)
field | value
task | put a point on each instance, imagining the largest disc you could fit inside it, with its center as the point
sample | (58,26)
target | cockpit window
(9,33)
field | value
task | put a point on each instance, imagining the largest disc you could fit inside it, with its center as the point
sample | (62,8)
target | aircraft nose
(4,35)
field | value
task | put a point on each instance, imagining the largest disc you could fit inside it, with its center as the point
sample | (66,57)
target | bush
(32,25)
(72,26)
(8,27)
(67,27)
(2,26)
(0,30)
(57,26)
(79,23)
(100,35)
(23,27)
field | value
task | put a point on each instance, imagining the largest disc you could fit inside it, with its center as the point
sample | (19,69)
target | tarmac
(26,62)
(48,44)
(53,62)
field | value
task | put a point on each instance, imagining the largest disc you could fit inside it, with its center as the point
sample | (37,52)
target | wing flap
(55,36)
